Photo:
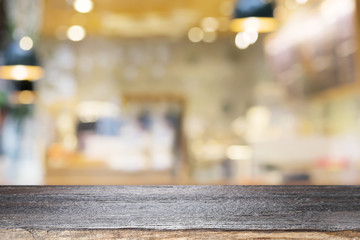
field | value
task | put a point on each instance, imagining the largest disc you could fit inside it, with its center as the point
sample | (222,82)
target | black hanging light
(20,64)
(254,15)
(19,59)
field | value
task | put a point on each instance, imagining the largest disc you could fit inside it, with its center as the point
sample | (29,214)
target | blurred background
(179,92)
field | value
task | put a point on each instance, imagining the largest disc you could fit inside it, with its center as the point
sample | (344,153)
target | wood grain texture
(22,234)
(207,208)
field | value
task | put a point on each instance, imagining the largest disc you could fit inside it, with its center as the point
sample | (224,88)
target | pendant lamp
(254,15)
(20,64)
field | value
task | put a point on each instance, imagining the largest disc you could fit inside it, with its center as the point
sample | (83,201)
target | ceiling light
(254,14)
(76,33)
(262,24)
(301,1)
(20,64)
(26,43)
(83,6)
(19,72)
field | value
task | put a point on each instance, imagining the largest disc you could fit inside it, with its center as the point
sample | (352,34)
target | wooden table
(179,212)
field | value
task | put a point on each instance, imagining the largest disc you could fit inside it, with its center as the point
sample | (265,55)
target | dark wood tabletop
(310,208)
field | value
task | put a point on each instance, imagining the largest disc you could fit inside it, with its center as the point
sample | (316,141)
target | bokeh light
(76,33)
(26,43)
(196,34)
(83,6)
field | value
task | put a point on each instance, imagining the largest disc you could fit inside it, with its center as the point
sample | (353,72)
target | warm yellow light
(26,97)
(258,116)
(242,40)
(252,23)
(210,24)
(301,1)
(253,35)
(76,33)
(260,24)
(239,152)
(83,6)
(196,34)
(26,43)
(21,72)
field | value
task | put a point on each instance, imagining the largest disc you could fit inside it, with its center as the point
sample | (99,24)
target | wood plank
(22,234)
(205,208)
